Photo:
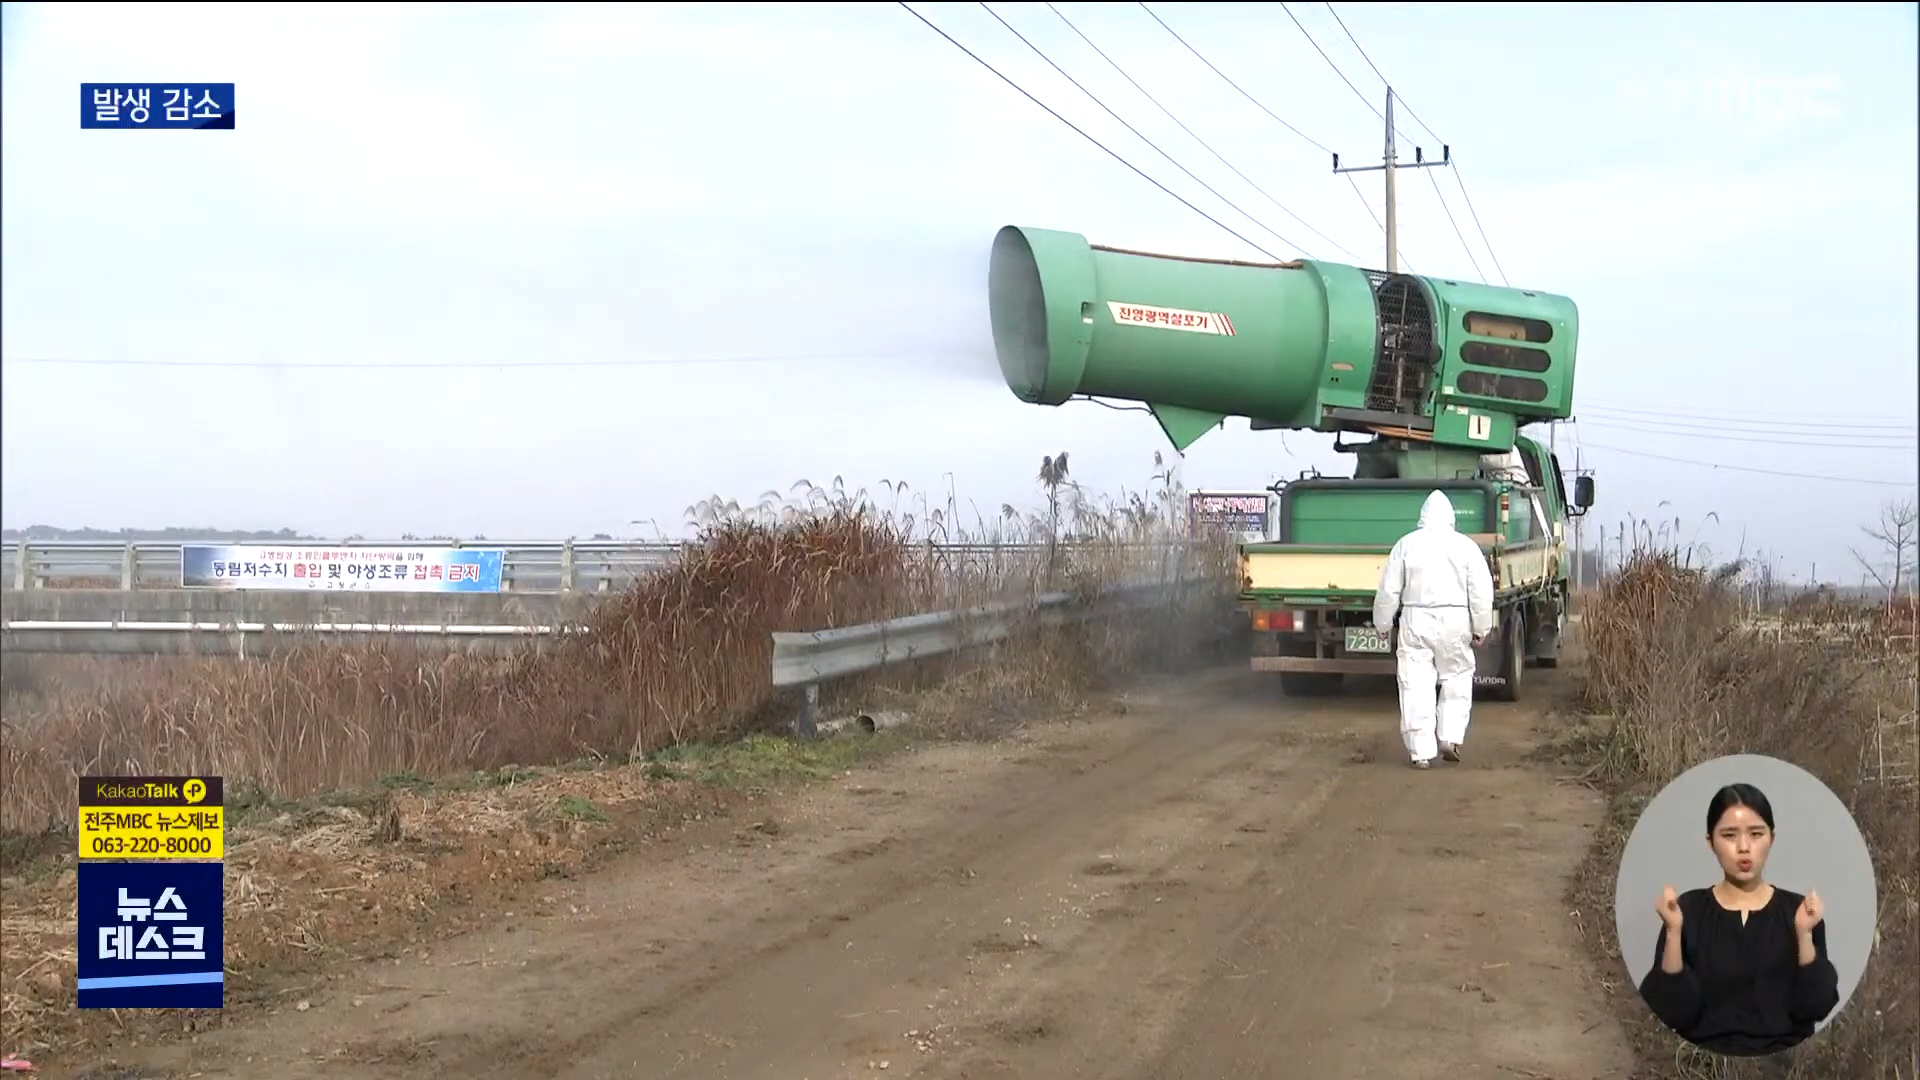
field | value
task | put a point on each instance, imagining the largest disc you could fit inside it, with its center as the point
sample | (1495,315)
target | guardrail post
(805,725)
(129,564)
(20,559)
(567,579)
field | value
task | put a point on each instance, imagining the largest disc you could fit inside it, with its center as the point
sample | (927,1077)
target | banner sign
(167,817)
(365,569)
(151,924)
(1240,512)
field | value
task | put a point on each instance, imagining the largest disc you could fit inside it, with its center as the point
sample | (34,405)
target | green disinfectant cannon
(1437,376)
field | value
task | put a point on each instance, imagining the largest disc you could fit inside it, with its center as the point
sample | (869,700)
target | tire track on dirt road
(1221,883)
(1417,930)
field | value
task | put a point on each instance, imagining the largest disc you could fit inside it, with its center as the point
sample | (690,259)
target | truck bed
(1346,575)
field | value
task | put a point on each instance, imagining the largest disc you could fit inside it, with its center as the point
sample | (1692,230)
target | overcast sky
(569,193)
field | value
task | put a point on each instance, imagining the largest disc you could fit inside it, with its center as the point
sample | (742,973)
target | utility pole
(1390,164)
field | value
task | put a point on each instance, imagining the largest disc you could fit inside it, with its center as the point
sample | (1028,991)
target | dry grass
(381,872)
(678,661)
(682,655)
(1680,670)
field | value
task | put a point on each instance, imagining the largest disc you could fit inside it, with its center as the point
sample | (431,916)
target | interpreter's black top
(1741,989)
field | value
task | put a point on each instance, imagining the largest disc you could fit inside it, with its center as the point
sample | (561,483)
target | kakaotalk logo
(1740,97)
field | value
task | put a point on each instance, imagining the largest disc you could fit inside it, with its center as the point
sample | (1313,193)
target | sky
(535,271)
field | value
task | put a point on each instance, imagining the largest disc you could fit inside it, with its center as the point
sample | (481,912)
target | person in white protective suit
(1437,583)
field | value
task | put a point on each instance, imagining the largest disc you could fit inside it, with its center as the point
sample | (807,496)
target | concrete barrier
(245,606)
(242,623)
(246,642)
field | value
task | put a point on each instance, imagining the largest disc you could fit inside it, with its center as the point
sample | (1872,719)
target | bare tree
(1898,533)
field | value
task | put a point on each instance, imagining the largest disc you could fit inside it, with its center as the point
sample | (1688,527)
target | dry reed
(681,655)
(1684,670)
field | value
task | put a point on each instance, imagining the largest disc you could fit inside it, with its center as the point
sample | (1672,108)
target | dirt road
(1219,883)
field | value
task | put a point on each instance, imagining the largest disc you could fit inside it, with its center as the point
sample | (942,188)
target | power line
(1336,67)
(1457,177)
(1355,185)
(1751,437)
(1368,59)
(1223,75)
(1096,142)
(1462,181)
(1196,138)
(1751,469)
(1387,227)
(1376,70)
(1457,234)
(1258,104)
(1795,416)
(1123,123)
(453,365)
(1644,416)
(1813,425)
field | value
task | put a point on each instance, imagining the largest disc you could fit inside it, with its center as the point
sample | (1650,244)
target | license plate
(1368,639)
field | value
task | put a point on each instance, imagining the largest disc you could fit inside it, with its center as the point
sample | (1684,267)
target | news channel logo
(1770,99)
(181,106)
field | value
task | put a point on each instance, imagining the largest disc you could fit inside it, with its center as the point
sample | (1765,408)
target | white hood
(1437,512)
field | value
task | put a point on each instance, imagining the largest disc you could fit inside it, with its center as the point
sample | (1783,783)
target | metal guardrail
(805,660)
(535,566)
(171,626)
(800,659)
(235,638)
(240,639)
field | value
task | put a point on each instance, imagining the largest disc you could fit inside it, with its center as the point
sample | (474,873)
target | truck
(1432,379)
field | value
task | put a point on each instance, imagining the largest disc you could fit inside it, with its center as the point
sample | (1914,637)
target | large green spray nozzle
(1306,345)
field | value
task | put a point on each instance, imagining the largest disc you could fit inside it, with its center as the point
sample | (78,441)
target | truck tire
(1513,656)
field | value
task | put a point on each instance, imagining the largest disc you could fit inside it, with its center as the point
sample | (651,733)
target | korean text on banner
(363,569)
(152,817)
(177,106)
(1238,512)
(151,935)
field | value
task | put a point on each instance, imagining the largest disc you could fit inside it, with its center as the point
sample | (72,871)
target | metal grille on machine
(1404,355)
